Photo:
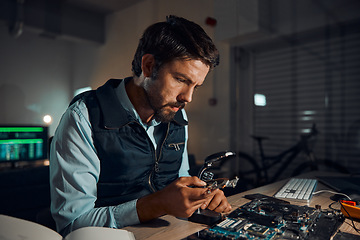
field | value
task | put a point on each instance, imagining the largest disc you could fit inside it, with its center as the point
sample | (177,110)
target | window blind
(310,80)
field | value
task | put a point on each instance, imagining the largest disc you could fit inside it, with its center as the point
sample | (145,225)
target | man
(118,156)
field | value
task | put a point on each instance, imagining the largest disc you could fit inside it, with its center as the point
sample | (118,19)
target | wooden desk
(169,228)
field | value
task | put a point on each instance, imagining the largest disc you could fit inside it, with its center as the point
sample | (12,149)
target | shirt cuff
(126,214)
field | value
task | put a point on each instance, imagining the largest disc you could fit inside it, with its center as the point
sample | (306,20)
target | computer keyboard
(298,189)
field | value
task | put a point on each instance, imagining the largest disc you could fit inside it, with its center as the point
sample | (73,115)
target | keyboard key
(298,189)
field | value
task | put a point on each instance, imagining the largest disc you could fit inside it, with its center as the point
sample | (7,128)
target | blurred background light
(259,99)
(47,119)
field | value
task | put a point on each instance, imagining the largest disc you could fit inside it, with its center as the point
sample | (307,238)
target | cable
(332,208)
(352,220)
(339,193)
(329,191)
(336,209)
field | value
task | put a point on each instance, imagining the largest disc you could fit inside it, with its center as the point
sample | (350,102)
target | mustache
(176,104)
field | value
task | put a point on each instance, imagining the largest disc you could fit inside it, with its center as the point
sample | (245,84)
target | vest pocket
(176,146)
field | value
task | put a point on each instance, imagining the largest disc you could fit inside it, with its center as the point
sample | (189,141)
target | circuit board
(268,220)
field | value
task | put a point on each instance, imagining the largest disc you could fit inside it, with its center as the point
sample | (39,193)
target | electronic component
(266,219)
(221,183)
(205,215)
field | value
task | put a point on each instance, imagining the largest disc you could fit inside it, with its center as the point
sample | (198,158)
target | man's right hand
(181,198)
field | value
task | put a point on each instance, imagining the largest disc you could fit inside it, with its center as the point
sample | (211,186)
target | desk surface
(169,227)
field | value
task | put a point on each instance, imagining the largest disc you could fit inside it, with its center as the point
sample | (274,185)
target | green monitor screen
(23,143)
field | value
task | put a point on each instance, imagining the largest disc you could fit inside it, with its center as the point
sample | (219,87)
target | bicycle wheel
(250,172)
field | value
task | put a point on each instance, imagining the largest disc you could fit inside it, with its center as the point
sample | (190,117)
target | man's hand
(217,202)
(180,199)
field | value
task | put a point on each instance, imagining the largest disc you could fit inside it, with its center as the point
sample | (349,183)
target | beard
(165,114)
(162,112)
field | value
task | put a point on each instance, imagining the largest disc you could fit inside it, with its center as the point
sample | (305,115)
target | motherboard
(267,219)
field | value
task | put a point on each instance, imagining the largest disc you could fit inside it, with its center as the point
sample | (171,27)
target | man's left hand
(217,202)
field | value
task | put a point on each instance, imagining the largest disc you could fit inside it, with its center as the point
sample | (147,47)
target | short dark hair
(176,38)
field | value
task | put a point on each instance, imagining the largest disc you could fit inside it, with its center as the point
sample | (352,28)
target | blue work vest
(129,165)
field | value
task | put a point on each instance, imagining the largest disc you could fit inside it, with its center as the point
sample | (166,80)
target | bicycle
(259,175)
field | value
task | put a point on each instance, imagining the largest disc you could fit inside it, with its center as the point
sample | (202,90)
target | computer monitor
(23,143)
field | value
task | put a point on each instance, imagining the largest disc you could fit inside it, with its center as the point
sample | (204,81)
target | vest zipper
(156,166)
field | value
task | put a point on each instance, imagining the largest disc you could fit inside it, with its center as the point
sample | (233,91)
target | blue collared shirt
(75,170)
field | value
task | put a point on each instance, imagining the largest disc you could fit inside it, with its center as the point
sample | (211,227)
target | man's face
(174,86)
